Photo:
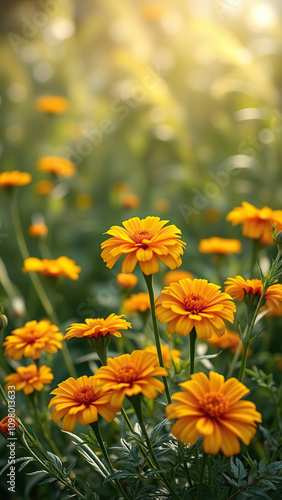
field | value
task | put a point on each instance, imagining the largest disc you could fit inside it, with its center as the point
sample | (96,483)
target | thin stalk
(36,281)
(211,477)
(198,496)
(96,429)
(149,283)
(193,337)
(255,249)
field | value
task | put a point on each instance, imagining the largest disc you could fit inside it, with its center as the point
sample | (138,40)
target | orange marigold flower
(56,165)
(14,178)
(168,355)
(272,311)
(36,230)
(81,400)
(43,187)
(256,222)
(51,104)
(130,201)
(229,340)
(131,374)
(8,424)
(220,245)
(33,338)
(137,302)
(145,241)
(63,266)
(98,327)
(212,408)
(237,287)
(195,304)
(175,276)
(127,280)
(29,378)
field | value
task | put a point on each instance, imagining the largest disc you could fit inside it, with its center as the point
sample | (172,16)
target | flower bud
(3,322)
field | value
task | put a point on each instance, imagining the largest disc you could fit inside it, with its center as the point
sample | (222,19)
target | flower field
(140,250)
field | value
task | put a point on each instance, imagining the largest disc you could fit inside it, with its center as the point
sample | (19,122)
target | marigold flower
(81,400)
(145,241)
(168,355)
(43,187)
(220,245)
(237,287)
(14,178)
(51,104)
(33,338)
(131,374)
(213,408)
(137,302)
(256,222)
(195,304)
(98,327)
(36,230)
(175,276)
(56,165)
(29,378)
(127,280)
(8,424)
(229,340)
(63,266)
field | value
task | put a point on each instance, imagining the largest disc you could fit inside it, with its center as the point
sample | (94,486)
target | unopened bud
(3,322)
(278,239)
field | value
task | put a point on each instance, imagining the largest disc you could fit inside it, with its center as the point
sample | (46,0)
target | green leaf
(158,429)
(48,480)
(31,459)
(55,459)
(21,459)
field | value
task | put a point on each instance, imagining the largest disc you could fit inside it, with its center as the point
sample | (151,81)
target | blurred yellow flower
(36,230)
(56,165)
(43,187)
(63,266)
(229,340)
(98,327)
(237,287)
(131,374)
(213,408)
(80,400)
(137,302)
(83,201)
(195,304)
(220,245)
(256,222)
(127,280)
(145,241)
(33,338)
(130,201)
(166,353)
(51,104)
(175,276)
(14,178)
(29,378)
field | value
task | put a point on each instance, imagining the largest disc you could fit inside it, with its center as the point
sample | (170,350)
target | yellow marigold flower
(43,187)
(127,280)
(212,408)
(81,400)
(145,241)
(29,378)
(36,230)
(167,354)
(256,222)
(195,304)
(51,104)
(137,302)
(229,340)
(220,245)
(130,201)
(14,178)
(175,276)
(56,165)
(63,266)
(131,374)
(98,327)
(237,287)
(8,424)
(33,338)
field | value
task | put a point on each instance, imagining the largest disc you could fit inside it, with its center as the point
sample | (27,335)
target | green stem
(255,249)
(193,337)
(37,283)
(198,496)
(149,283)
(211,477)
(96,429)
(136,403)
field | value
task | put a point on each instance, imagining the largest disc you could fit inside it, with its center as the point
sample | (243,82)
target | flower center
(140,235)
(213,404)
(127,373)
(85,395)
(194,302)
